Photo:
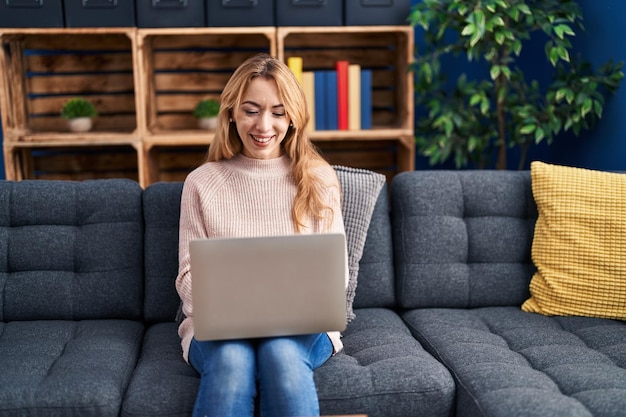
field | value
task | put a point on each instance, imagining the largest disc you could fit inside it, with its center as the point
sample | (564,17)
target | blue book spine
(366,99)
(320,100)
(332,109)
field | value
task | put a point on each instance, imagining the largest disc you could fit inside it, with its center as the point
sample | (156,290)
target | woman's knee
(308,351)
(223,357)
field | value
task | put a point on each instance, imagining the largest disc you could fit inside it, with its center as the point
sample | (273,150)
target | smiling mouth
(261,139)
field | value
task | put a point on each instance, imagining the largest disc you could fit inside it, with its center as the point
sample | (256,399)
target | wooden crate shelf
(145,83)
(180,67)
(45,67)
(386,50)
(71,162)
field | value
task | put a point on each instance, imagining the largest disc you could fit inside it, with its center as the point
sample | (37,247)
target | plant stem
(501,164)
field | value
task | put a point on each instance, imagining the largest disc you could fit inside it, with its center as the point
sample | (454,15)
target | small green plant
(206,108)
(78,107)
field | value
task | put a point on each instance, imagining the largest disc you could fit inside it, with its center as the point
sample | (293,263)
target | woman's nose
(264,121)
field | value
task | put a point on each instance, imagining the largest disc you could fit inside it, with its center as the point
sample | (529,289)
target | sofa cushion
(509,362)
(462,238)
(382,371)
(579,243)
(163,384)
(360,189)
(66,368)
(73,250)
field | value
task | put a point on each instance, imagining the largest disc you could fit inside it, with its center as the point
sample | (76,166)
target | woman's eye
(251,112)
(279,114)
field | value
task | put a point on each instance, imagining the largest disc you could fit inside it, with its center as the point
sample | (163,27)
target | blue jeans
(283,367)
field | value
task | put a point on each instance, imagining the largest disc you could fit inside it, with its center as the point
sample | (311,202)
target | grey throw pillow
(360,189)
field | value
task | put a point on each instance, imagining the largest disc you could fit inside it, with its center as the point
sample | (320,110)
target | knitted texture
(579,243)
(360,190)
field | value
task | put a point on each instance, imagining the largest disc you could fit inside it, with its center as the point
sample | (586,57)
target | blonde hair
(304,156)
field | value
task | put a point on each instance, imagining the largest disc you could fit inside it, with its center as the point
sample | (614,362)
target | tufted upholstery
(161,212)
(457,235)
(71,295)
(462,245)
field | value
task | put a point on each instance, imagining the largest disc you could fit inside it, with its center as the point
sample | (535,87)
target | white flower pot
(80,124)
(208,123)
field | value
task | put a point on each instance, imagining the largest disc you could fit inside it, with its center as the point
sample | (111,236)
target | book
(332,117)
(366,99)
(320,100)
(354,97)
(342,94)
(308,85)
(295,65)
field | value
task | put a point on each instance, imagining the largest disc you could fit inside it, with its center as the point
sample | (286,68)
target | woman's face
(261,120)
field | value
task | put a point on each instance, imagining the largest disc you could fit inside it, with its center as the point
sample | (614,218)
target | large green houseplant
(476,119)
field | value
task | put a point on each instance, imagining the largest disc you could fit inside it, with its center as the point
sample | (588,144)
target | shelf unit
(145,83)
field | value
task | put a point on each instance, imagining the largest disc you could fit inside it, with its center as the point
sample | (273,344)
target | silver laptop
(268,286)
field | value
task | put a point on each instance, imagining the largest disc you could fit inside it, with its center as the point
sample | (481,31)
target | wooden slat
(181,102)
(208,60)
(102,123)
(14,85)
(338,38)
(94,61)
(118,103)
(85,83)
(379,156)
(81,164)
(230,41)
(78,42)
(176,122)
(316,59)
(93,161)
(85,175)
(193,81)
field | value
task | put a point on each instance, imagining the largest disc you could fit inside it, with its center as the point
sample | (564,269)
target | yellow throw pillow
(579,246)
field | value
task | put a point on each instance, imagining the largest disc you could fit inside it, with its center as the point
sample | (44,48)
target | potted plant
(206,112)
(476,119)
(79,112)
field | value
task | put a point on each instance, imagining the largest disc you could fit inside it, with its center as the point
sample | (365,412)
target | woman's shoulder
(208,174)
(326,173)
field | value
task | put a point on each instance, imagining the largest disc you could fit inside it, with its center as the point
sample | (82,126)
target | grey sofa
(87,307)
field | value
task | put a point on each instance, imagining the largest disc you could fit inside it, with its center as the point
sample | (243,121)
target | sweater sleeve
(192,226)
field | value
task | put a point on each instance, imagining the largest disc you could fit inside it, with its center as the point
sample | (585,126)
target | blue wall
(604,146)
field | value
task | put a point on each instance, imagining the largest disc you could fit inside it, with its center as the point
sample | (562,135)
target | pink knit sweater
(243,197)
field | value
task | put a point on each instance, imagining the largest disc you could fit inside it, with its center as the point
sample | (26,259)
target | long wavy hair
(304,156)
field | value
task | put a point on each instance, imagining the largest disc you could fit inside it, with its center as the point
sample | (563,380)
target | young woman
(262,176)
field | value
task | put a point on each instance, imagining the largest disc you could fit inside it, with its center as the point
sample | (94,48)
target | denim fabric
(283,367)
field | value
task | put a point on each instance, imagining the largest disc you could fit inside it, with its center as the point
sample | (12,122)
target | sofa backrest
(376,284)
(161,202)
(462,238)
(71,250)
(161,205)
